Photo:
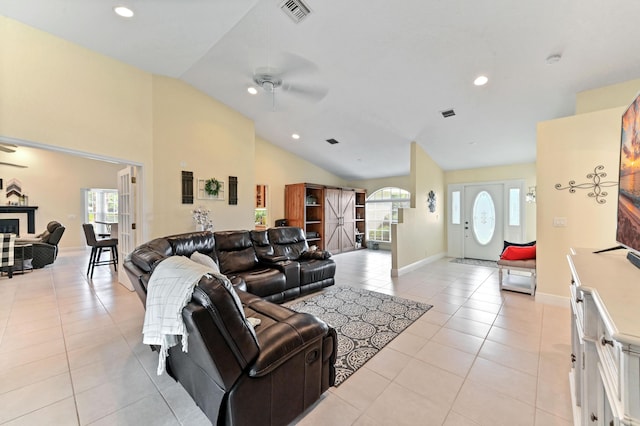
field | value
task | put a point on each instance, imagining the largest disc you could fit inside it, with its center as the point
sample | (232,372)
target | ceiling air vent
(448,113)
(332,141)
(295,9)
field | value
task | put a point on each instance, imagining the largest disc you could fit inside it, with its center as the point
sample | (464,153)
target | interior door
(126,220)
(483,221)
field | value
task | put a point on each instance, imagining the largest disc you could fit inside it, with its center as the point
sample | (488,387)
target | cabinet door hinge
(133,179)
(133,226)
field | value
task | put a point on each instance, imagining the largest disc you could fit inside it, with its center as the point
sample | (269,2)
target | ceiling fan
(10,148)
(7,147)
(288,80)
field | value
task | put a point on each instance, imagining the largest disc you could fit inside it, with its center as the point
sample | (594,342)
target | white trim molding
(412,267)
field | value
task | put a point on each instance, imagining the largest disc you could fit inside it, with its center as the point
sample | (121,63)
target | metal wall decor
(431,201)
(596,185)
(187,187)
(233,190)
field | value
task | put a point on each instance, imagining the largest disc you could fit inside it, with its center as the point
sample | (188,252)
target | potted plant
(212,186)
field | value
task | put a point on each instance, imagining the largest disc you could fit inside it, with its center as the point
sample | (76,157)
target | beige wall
(569,149)
(194,132)
(55,93)
(372,185)
(606,97)
(276,168)
(419,233)
(53,182)
(58,93)
(525,171)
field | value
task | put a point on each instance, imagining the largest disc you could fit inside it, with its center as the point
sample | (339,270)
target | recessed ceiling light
(252,90)
(123,11)
(295,136)
(481,80)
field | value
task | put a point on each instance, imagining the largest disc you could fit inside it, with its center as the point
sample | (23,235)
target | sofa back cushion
(147,256)
(261,243)
(187,244)
(234,250)
(55,236)
(221,338)
(288,241)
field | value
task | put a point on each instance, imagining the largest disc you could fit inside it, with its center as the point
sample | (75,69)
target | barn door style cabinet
(340,220)
(332,217)
(605,328)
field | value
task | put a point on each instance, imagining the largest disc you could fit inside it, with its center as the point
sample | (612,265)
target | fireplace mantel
(29,210)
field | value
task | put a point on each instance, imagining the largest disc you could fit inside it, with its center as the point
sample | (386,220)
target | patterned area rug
(476,262)
(365,322)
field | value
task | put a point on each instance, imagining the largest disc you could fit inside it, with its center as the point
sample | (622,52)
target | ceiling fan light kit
(268,82)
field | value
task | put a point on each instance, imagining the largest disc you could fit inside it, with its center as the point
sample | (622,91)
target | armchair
(45,245)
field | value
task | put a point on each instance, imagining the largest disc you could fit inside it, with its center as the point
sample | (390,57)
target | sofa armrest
(315,254)
(272,258)
(290,269)
(285,339)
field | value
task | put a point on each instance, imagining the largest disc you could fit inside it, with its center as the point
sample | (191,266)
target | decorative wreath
(212,186)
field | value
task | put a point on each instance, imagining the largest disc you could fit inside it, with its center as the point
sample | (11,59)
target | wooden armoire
(327,214)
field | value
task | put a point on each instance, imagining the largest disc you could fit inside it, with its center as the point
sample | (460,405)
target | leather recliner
(317,270)
(234,377)
(237,257)
(237,380)
(45,245)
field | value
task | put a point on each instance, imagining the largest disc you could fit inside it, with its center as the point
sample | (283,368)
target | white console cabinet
(605,307)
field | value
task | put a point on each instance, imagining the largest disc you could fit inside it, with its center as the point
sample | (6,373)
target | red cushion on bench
(519,253)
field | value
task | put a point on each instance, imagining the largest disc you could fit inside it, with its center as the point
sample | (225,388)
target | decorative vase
(199,227)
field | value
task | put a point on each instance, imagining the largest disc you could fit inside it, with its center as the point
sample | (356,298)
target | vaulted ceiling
(373,75)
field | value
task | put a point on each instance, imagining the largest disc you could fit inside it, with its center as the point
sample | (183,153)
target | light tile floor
(71,353)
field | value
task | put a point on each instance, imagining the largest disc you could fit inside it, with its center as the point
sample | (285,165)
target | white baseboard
(412,267)
(552,299)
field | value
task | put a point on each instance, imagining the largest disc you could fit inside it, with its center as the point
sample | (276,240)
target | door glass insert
(455,208)
(514,206)
(484,218)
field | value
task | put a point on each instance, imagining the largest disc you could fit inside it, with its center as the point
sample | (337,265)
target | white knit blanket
(169,290)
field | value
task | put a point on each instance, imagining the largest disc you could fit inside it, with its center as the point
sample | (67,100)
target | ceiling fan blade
(310,93)
(13,165)
(7,147)
(293,66)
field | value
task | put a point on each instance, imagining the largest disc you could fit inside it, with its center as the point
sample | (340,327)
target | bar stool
(97,246)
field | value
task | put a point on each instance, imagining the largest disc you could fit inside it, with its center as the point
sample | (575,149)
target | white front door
(483,221)
(126,220)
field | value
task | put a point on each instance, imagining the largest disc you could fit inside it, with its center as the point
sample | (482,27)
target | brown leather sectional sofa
(234,378)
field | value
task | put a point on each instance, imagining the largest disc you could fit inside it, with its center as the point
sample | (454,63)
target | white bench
(518,282)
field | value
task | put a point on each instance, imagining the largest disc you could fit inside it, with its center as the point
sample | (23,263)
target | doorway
(482,215)
(483,221)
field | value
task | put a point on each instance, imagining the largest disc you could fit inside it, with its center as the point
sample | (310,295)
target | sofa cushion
(261,244)
(235,251)
(187,244)
(147,256)
(288,241)
(316,270)
(205,260)
(237,261)
(264,282)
